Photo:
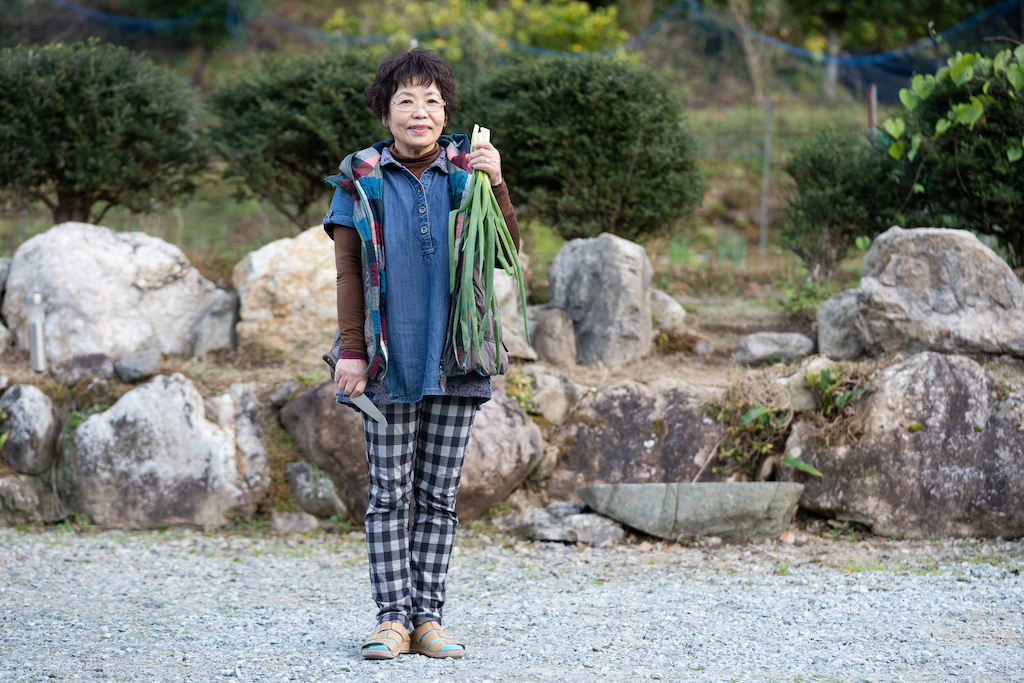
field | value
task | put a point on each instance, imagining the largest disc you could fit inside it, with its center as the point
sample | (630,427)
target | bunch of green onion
(484,229)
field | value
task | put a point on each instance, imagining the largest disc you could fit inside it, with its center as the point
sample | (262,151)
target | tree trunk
(831,68)
(72,207)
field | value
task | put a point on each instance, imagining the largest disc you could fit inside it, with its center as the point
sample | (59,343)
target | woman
(389,223)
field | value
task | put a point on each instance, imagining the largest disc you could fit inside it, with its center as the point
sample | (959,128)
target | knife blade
(367,407)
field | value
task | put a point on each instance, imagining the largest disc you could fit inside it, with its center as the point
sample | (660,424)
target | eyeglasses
(407,104)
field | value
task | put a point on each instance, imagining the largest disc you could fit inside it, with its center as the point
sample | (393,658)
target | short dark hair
(418,67)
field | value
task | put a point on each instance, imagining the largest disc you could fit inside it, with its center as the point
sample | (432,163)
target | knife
(367,407)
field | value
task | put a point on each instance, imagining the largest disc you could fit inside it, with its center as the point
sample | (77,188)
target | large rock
(139,366)
(5,270)
(669,313)
(31,429)
(26,499)
(635,433)
(554,395)
(331,436)
(73,370)
(747,511)
(940,454)
(506,294)
(106,292)
(603,284)
(216,330)
(554,338)
(567,522)
(837,326)
(162,455)
(932,289)
(777,346)
(314,491)
(503,449)
(288,295)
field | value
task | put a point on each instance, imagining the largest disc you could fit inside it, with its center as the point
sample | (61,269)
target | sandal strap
(385,634)
(438,638)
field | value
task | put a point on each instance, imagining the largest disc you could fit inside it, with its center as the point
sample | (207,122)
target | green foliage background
(284,129)
(594,145)
(91,124)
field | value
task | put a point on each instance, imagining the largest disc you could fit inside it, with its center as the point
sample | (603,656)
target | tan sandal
(388,640)
(428,639)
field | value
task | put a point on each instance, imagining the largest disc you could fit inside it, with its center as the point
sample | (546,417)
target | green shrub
(840,193)
(285,129)
(89,124)
(959,140)
(594,145)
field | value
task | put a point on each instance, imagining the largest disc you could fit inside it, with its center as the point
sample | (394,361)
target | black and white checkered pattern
(417,457)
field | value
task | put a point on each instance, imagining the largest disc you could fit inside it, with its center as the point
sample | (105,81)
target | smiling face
(416,131)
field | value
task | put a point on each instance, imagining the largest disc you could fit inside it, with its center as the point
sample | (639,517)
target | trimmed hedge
(592,145)
(285,129)
(92,124)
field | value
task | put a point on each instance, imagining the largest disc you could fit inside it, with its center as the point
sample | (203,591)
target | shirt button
(419,189)
(423,230)
(423,209)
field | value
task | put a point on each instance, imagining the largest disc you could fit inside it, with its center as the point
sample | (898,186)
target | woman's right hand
(350,374)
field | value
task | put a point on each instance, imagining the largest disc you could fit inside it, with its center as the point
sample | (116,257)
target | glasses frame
(418,105)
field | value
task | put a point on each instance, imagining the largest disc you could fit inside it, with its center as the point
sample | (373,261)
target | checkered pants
(417,457)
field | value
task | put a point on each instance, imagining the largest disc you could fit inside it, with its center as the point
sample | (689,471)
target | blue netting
(889,70)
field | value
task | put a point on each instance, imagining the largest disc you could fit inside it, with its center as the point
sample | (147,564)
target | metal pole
(762,248)
(873,108)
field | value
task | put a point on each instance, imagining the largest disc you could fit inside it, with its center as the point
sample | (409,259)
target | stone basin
(741,511)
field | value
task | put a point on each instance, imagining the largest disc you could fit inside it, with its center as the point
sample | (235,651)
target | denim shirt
(417,296)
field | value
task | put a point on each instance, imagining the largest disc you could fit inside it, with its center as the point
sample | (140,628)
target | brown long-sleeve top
(347,257)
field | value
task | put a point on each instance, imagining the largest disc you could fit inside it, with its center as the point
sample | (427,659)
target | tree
(839,193)
(283,130)
(90,124)
(959,142)
(874,24)
(594,145)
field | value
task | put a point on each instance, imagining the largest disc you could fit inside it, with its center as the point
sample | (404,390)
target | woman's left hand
(485,157)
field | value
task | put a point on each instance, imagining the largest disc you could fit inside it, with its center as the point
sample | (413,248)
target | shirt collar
(440,163)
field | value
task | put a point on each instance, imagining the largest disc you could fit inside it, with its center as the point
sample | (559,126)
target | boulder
(26,500)
(31,428)
(503,450)
(5,269)
(314,492)
(216,330)
(554,338)
(331,436)
(506,293)
(555,523)
(669,313)
(73,370)
(837,326)
(554,395)
(106,292)
(767,346)
(139,366)
(288,293)
(162,455)
(932,289)
(747,511)
(292,522)
(801,396)
(6,338)
(284,393)
(636,433)
(940,453)
(603,284)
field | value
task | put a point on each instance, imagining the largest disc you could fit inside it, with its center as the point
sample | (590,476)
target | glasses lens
(428,106)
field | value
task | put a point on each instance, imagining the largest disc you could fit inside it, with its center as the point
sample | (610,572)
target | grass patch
(854,567)
(282,451)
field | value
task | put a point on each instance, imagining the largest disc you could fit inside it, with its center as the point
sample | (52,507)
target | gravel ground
(181,605)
